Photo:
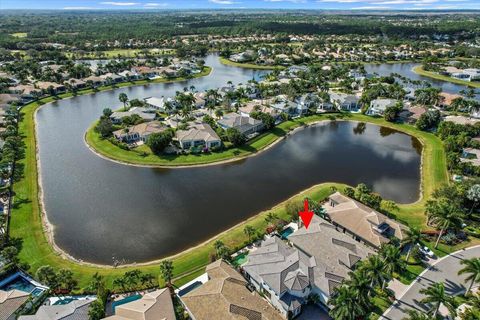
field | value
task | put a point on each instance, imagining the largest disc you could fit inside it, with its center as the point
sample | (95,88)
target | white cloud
(78,8)
(414,2)
(222,2)
(155,4)
(371,8)
(115,3)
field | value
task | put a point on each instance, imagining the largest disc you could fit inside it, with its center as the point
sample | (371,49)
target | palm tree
(123,99)
(436,296)
(249,232)
(221,250)
(416,315)
(374,269)
(444,215)
(271,217)
(412,237)
(392,258)
(360,282)
(344,304)
(472,268)
(120,283)
(166,272)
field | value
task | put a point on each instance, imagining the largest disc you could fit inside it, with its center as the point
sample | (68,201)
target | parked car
(426,251)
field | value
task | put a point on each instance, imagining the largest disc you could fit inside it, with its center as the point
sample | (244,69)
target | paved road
(445,270)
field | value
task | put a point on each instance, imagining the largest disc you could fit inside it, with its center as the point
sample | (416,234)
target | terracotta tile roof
(362,221)
(225,297)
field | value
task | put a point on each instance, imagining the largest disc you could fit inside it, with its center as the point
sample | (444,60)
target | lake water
(104,211)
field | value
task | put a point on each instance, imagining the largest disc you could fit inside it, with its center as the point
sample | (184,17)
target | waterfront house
(344,101)
(196,135)
(10,302)
(257,105)
(139,132)
(75,83)
(282,105)
(111,78)
(378,106)
(161,104)
(26,91)
(317,261)
(74,310)
(245,124)
(7,99)
(46,86)
(145,113)
(94,80)
(225,296)
(363,223)
(156,305)
(129,75)
(306,101)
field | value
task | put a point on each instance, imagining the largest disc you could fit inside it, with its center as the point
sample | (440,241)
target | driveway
(444,270)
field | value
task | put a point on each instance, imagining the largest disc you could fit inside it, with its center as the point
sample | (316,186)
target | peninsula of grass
(419,70)
(228,62)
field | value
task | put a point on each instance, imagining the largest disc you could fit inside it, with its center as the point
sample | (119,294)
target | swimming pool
(21,282)
(285,233)
(241,259)
(125,300)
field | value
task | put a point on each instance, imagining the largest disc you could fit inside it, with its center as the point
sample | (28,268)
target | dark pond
(104,211)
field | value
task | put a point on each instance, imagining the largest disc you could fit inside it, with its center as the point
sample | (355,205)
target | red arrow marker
(306,215)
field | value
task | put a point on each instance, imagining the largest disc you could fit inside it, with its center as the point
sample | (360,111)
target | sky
(242,4)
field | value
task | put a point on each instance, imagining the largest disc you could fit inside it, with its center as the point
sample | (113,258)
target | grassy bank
(419,70)
(227,62)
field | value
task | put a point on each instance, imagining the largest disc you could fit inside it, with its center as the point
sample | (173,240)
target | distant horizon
(164,5)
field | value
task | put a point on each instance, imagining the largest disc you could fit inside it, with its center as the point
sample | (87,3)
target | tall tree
(249,232)
(123,99)
(472,268)
(412,237)
(344,304)
(436,296)
(166,272)
(444,215)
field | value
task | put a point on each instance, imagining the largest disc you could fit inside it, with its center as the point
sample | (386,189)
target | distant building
(245,124)
(378,106)
(344,101)
(196,135)
(139,132)
(144,113)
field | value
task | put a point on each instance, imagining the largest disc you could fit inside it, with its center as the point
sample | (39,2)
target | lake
(103,211)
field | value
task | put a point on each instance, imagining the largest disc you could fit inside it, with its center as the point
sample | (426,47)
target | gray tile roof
(334,253)
(75,310)
(274,261)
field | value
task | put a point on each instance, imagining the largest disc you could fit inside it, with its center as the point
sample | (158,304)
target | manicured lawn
(419,70)
(248,65)
(19,35)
